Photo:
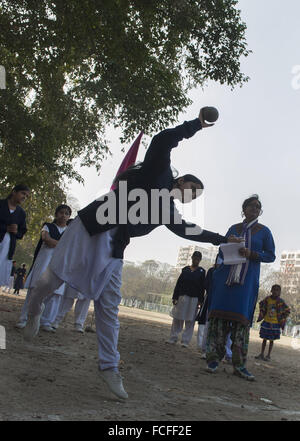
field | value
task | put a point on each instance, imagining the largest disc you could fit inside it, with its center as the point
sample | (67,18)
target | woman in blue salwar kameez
(235,291)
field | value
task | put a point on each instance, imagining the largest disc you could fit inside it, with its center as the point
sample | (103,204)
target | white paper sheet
(231,253)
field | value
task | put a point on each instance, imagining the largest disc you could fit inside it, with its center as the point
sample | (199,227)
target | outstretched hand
(201,117)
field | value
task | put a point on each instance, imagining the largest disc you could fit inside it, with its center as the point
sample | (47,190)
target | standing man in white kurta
(187,298)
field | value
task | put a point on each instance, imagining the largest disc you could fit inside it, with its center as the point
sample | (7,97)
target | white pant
(10,285)
(177,327)
(51,309)
(81,310)
(106,312)
(202,336)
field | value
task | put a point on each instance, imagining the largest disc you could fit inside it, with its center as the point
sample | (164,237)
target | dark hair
(248,201)
(197,254)
(19,187)
(190,178)
(277,286)
(63,207)
(14,261)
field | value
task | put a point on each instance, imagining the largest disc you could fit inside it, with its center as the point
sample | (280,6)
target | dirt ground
(55,378)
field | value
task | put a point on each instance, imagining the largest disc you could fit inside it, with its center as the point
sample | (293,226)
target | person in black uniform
(187,297)
(19,282)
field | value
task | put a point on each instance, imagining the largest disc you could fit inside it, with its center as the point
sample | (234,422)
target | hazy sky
(253,148)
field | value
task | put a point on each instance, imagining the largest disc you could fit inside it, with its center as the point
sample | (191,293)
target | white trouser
(24,310)
(81,309)
(107,323)
(45,287)
(106,312)
(177,327)
(51,309)
(202,336)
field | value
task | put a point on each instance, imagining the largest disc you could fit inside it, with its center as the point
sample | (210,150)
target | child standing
(187,298)
(274,312)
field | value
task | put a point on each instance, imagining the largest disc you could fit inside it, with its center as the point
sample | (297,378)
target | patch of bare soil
(55,378)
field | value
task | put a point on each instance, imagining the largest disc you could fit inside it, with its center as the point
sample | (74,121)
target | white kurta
(41,263)
(71,293)
(85,262)
(185,309)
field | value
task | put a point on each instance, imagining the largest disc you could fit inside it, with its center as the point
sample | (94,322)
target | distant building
(290,267)
(185,254)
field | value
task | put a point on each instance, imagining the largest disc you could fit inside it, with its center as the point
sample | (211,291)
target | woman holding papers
(235,290)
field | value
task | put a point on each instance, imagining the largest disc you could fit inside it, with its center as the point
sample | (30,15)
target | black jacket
(155,173)
(202,314)
(6,218)
(190,283)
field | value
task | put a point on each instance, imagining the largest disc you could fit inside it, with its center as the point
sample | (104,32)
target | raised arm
(157,157)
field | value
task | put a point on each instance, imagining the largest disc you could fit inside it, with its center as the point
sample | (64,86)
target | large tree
(73,67)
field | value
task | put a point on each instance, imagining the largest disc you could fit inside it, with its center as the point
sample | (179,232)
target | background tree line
(154,282)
